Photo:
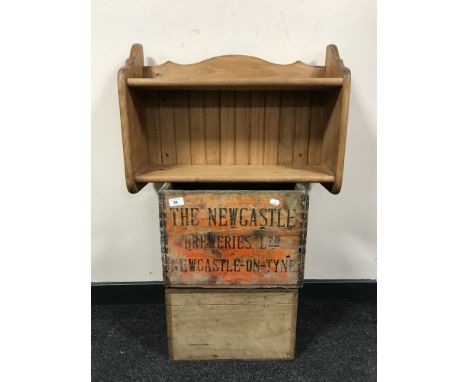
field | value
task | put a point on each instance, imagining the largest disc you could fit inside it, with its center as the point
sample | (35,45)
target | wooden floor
(239,173)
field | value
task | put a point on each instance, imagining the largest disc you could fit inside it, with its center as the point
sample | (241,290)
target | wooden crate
(233,324)
(234,119)
(251,237)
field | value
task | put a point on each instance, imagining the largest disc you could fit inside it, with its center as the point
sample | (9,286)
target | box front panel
(227,238)
(231,325)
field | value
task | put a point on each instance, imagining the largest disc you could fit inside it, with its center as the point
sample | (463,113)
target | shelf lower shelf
(235,173)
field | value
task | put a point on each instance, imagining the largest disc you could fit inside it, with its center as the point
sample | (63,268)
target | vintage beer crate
(231,324)
(219,236)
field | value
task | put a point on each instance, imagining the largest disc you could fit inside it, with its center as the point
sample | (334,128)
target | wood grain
(302,128)
(182,127)
(134,138)
(233,67)
(212,128)
(334,139)
(316,128)
(272,83)
(236,173)
(272,123)
(343,126)
(218,297)
(166,123)
(220,238)
(228,130)
(257,127)
(153,129)
(333,63)
(287,127)
(234,110)
(242,127)
(197,127)
(228,328)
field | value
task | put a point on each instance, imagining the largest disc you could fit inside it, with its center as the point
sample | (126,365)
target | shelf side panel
(342,105)
(131,114)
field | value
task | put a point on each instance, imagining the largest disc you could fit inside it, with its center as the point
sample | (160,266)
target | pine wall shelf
(234,119)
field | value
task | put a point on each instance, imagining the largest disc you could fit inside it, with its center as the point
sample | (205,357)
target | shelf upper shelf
(235,83)
(235,72)
(235,173)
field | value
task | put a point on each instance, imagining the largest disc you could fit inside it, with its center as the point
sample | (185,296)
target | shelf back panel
(235,127)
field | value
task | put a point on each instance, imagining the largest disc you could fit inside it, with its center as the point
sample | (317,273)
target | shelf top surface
(247,83)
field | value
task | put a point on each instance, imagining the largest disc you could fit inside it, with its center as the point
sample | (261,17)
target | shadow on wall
(344,226)
(125,227)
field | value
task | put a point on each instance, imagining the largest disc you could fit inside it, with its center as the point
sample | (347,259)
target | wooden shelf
(235,173)
(234,118)
(265,83)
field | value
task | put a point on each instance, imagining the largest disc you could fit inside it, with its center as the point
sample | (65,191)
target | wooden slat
(197,127)
(228,132)
(212,128)
(272,115)
(316,129)
(257,127)
(242,125)
(166,122)
(235,173)
(182,127)
(286,128)
(153,129)
(219,297)
(301,135)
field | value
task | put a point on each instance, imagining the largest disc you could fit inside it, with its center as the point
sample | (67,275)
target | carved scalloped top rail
(234,66)
(238,71)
